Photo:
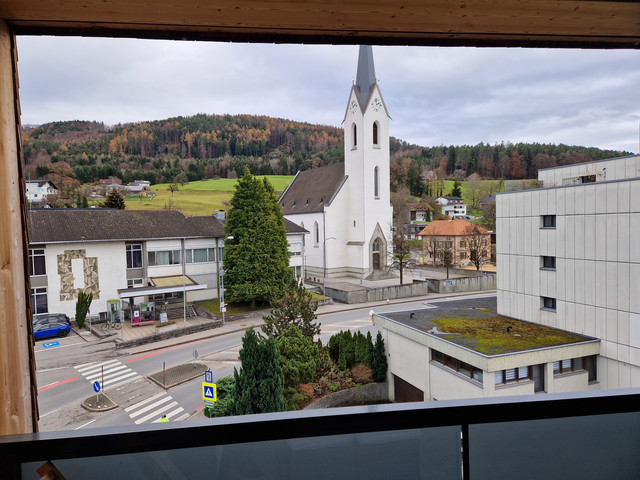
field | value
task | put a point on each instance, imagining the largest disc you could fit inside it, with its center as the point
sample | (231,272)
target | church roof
(312,189)
(366,76)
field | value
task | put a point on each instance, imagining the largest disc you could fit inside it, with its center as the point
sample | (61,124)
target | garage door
(405,392)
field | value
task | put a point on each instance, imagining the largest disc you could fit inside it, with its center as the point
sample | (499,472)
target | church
(346,206)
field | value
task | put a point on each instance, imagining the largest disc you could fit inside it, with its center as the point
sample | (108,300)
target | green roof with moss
(475,324)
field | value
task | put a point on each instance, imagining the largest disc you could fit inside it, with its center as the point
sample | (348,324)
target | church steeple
(366,76)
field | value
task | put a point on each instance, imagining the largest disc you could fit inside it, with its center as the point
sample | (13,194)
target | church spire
(366,76)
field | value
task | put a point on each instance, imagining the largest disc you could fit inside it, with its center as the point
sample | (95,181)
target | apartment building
(568,256)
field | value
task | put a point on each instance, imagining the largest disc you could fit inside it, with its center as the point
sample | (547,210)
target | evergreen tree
(298,359)
(295,308)
(259,386)
(85,203)
(114,200)
(456,191)
(256,258)
(379,360)
(82,307)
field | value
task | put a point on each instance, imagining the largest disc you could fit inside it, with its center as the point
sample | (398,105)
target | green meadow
(197,198)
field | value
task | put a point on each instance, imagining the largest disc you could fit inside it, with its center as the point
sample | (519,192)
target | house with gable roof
(346,206)
(461,239)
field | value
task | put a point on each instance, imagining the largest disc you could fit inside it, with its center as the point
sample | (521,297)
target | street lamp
(223,307)
(324,270)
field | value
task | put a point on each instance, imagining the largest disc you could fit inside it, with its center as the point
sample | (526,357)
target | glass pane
(176,257)
(523,373)
(429,453)
(200,255)
(162,258)
(498,377)
(589,448)
(189,255)
(212,254)
(510,374)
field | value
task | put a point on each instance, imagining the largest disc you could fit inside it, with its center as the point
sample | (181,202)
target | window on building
(354,133)
(549,303)
(37,264)
(376,183)
(574,365)
(587,179)
(135,283)
(591,365)
(463,255)
(200,255)
(463,244)
(168,257)
(297,271)
(549,262)
(134,255)
(448,244)
(39,302)
(316,233)
(548,221)
(459,366)
(375,133)
(509,375)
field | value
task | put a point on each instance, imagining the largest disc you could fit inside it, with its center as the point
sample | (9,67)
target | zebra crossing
(151,409)
(329,330)
(115,373)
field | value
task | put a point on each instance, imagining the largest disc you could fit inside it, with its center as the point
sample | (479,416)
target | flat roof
(474,323)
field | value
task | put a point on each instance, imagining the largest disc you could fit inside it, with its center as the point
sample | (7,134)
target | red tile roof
(452,228)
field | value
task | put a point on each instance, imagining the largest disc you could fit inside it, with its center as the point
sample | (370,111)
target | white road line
(97,368)
(107,372)
(49,413)
(143,402)
(48,349)
(150,407)
(125,380)
(157,412)
(170,415)
(183,417)
(88,423)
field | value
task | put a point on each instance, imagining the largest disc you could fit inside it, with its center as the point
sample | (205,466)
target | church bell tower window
(354,133)
(375,134)
(376,182)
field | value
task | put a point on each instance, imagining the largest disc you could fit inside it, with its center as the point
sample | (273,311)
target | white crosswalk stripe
(151,409)
(115,373)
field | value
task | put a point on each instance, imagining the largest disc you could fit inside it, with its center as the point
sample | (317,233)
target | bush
(362,373)
(82,307)
(224,405)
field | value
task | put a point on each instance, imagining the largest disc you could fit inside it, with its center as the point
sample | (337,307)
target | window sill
(548,269)
(354,148)
(377,146)
(477,383)
(547,228)
(547,309)
(514,383)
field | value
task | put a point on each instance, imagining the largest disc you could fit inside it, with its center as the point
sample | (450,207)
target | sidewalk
(247,321)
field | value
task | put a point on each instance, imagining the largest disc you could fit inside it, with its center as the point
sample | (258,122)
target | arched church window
(375,133)
(376,245)
(354,133)
(376,183)
(316,233)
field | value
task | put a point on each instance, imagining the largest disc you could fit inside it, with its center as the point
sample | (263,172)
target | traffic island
(99,403)
(179,374)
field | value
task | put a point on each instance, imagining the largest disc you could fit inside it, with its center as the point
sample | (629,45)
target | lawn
(197,198)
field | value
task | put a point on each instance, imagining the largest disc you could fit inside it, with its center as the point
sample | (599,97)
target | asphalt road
(66,372)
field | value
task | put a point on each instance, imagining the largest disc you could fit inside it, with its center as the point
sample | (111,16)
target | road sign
(50,344)
(208,376)
(209,392)
(96,386)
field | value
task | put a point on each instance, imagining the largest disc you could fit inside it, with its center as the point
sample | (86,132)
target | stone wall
(369,393)
(466,284)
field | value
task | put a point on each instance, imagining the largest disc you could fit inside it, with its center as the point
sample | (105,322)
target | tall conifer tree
(256,259)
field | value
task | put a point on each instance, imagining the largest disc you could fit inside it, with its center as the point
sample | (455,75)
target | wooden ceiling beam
(579,23)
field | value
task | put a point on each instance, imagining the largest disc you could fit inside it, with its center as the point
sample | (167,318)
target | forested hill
(209,146)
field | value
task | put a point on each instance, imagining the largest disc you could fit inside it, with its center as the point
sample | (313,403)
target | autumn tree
(401,252)
(400,199)
(173,187)
(114,200)
(477,245)
(181,178)
(474,189)
(256,256)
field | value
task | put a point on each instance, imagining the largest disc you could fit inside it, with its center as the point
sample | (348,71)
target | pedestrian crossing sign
(209,392)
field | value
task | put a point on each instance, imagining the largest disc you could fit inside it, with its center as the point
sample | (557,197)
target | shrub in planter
(379,360)
(362,373)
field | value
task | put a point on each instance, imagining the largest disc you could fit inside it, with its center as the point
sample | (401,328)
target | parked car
(51,325)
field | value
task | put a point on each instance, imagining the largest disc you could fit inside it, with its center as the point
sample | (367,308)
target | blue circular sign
(96,386)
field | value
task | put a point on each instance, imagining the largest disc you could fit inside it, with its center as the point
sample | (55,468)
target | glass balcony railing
(592,435)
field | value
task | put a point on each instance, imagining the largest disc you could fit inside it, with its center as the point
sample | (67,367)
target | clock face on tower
(376,104)
(353,106)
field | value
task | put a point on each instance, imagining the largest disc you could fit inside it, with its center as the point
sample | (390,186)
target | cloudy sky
(436,96)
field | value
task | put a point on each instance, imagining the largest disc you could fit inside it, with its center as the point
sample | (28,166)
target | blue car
(51,325)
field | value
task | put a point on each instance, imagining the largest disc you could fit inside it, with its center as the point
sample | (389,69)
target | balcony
(587,435)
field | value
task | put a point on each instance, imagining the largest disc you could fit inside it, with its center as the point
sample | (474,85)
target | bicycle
(108,324)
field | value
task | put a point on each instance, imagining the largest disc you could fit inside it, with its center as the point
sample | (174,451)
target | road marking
(115,373)
(57,347)
(49,413)
(151,409)
(151,354)
(88,423)
(61,382)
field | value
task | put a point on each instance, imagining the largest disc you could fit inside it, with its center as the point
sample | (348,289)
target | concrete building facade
(568,256)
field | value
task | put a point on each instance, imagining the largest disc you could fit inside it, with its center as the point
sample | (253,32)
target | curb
(104,403)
